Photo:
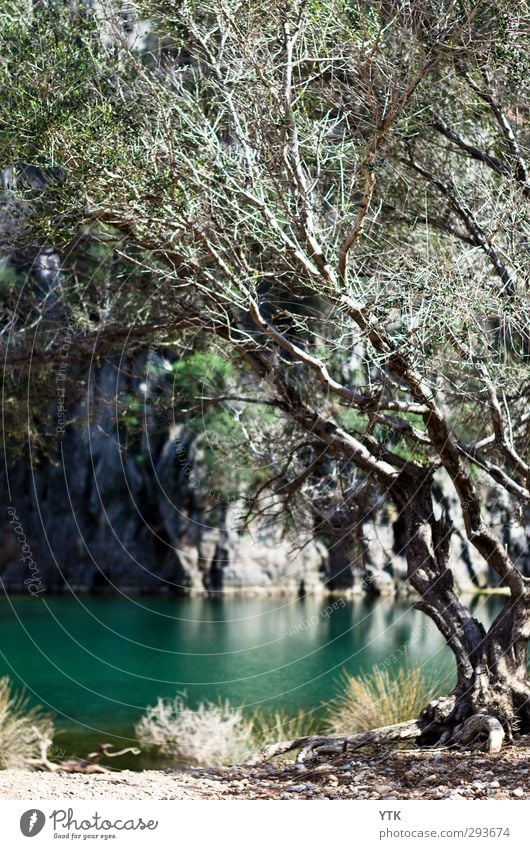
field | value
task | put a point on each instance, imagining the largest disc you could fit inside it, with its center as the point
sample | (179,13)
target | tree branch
(477,153)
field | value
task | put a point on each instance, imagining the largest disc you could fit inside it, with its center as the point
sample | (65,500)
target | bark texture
(492,693)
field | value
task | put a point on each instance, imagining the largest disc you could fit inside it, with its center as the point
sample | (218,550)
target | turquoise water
(97,663)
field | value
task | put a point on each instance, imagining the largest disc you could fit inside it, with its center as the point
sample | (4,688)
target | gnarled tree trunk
(492,674)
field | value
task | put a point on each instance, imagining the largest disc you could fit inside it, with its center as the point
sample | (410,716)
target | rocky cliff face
(386,566)
(103,515)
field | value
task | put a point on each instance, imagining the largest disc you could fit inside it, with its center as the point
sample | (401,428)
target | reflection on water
(98,662)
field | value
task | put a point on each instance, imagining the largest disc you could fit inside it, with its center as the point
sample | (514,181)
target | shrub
(379,698)
(211,735)
(21,728)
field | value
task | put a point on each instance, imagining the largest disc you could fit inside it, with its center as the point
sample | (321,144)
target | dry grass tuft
(21,728)
(218,734)
(273,728)
(379,698)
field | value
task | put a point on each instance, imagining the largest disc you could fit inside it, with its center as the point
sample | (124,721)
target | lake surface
(98,662)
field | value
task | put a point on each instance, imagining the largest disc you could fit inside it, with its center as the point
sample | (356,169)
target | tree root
(316,745)
(478,727)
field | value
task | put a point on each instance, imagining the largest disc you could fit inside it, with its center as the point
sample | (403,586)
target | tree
(337,192)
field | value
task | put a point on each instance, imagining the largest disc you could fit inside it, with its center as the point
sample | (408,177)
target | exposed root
(481,727)
(335,745)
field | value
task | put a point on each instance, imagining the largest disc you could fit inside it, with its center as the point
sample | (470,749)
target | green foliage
(194,380)
(130,410)
(56,82)
(352,420)
(201,371)
(10,279)
(171,199)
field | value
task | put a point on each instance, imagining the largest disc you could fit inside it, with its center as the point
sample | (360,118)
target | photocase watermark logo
(64,823)
(34,581)
(32,822)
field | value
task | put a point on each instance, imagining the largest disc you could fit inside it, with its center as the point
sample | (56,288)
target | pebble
(439,793)
(402,774)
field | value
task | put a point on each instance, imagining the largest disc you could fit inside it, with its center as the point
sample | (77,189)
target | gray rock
(101,514)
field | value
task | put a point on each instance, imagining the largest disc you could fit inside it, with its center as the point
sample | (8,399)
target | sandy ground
(386,774)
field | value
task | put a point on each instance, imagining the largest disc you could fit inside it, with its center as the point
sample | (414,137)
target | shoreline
(400,594)
(377,774)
